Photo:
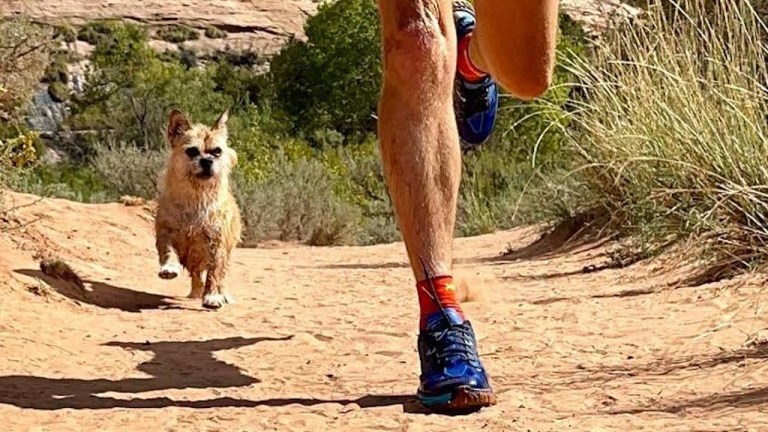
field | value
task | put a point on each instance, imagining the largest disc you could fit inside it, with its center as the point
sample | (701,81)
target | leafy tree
(130,90)
(332,80)
(24,52)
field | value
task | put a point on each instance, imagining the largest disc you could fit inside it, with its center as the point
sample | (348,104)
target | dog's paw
(216,301)
(169,271)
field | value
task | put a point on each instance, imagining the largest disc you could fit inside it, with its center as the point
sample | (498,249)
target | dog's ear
(221,123)
(177,126)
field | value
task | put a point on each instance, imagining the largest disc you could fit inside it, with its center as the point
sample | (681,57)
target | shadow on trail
(736,399)
(629,293)
(582,232)
(175,365)
(409,403)
(105,295)
(690,282)
(364,266)
(588,377)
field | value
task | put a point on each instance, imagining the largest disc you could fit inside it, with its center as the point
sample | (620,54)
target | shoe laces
(474,99)
(453,343)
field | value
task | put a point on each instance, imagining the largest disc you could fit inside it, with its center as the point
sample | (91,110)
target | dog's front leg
(169,259)
(198,284)
(214,296)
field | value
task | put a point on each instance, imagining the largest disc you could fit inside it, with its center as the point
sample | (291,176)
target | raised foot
(216,301)
(169,271)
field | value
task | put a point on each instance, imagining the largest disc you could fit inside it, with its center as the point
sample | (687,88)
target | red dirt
(324,339)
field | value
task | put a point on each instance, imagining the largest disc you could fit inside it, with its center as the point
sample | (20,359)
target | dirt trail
(324,339)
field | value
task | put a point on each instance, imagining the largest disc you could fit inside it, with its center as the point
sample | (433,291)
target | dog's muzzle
(206,165)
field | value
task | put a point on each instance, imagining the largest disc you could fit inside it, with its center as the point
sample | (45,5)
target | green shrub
(332,80)
(246,59)
(177,33)
(358,178)
(22,64)
(94,31)
(57,71)
(239,83)
(295,203)
(130,90)
(672,133)
(63,180)
(66,33)
(58,91)
(214,33)
(126,170)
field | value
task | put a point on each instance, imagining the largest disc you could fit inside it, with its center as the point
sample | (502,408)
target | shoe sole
(462,400)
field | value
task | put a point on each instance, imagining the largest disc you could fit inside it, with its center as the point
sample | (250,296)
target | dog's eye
(215,152)
(192,152)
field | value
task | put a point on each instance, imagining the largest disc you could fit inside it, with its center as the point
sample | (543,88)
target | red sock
(446,296)
(464,64)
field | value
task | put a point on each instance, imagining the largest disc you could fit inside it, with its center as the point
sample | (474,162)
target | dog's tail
(58,269)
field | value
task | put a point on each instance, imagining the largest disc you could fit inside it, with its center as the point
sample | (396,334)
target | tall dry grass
(671,136)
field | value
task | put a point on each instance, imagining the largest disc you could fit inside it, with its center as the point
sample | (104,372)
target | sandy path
(324,339)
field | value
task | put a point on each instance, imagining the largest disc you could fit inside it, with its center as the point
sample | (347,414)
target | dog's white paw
(216,301)
(169,271)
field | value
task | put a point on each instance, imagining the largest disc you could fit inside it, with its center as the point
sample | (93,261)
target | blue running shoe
(452,377)
(475,103)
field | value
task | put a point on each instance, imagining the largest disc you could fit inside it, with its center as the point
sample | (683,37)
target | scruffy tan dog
(198,221)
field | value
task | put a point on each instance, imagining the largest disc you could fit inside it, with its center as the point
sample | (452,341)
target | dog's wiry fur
(198,221)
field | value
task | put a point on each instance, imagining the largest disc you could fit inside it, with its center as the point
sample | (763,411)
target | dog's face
(199,152)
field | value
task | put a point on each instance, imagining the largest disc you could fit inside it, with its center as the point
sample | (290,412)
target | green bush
(332,80)
(22,65)
(295,203)
(177,33)
(94,31)
(130,90)
(57,71)
(126,170)
(58,91)
(212,32)
(239,83)
(672,133)
(63,180)
(358,178)
(66,33)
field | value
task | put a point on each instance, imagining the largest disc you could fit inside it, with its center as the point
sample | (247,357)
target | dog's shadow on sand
(175,365)
(105,295)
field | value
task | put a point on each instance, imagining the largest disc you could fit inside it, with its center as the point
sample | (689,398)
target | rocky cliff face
(258,25)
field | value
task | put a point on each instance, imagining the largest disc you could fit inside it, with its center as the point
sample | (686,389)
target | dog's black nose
(206,164)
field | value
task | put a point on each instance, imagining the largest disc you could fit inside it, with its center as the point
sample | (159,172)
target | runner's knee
(419,49)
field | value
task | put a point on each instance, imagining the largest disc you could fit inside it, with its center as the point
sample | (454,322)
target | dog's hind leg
(169,259)
(198,284)
(214,296)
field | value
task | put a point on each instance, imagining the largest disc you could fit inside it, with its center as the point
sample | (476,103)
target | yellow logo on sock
(450,287)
